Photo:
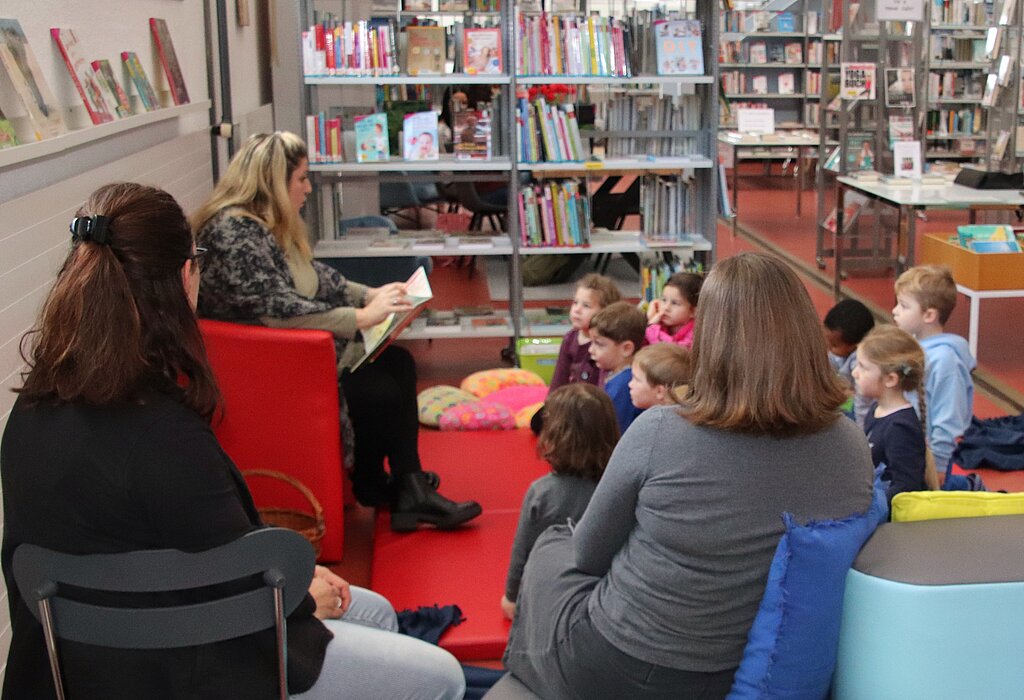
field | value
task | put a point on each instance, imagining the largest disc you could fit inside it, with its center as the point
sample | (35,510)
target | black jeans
(381,399)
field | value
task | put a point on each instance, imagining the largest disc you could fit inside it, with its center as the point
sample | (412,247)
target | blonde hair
(897,352)
(665,364)
(760,363)
(931,286)
(605,288)
(256,183)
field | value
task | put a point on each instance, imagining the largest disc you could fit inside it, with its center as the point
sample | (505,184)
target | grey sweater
(684,523)
(550,500)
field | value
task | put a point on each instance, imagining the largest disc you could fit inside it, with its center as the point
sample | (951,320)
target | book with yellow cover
(376,338)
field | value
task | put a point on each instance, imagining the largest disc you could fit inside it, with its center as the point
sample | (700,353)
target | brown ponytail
(118,321)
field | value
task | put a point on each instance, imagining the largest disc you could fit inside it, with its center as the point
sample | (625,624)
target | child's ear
(930,316)
(891,380)
(661,393)
(628,348)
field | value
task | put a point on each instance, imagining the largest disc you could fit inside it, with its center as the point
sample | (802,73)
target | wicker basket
(309,525)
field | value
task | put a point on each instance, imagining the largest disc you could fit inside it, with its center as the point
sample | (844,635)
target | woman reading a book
(260,269)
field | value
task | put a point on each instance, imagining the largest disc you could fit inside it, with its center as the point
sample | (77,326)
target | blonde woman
(260,269)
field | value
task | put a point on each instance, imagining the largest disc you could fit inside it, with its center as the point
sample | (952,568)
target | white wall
(41,186)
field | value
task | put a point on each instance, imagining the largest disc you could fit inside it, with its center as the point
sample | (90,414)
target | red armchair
(280,393)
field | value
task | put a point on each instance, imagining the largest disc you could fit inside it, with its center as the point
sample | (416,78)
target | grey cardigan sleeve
(532,522)
(611,515)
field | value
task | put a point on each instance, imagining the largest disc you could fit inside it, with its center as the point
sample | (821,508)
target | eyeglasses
(198,254)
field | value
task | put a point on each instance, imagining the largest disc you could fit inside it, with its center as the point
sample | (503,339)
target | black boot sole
(409,521)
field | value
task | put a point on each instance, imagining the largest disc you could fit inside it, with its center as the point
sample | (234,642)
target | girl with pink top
(671,317)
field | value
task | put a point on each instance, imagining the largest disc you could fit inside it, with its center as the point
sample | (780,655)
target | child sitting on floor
(579,434)
(660,373)
(889,363)
(846,324)
(671,318)
(617,332)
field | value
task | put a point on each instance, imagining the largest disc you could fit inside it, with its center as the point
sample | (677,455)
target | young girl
(579,434)
(671,317)
(593,293)
(659,372)
(889,363)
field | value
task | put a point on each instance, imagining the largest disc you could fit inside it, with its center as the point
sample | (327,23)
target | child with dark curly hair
(580,431)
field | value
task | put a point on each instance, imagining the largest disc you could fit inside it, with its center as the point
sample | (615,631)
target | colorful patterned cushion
(524,416)
(477,416)
(517,397)
(489,381)
(436,400)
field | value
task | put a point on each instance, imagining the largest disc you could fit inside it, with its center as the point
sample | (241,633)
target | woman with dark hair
(108,449)
(653,594)
(260,269)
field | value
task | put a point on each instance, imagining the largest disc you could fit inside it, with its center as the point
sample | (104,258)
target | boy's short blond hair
(665,364)
(620,322)
(931,286)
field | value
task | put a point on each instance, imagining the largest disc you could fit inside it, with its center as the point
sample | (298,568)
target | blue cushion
(791,648)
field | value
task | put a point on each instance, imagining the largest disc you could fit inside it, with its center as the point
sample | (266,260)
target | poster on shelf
(899,87)
(897,10)
(857,81)
(906,159)
(755,121)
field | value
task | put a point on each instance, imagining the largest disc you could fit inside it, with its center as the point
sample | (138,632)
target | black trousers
(381,399)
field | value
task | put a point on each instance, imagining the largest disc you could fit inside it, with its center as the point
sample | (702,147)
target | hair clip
(905,369)
(90,228)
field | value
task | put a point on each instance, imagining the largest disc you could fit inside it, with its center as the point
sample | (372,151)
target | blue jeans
(368,658)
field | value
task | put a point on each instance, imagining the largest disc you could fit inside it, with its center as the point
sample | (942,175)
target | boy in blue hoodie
(925,298)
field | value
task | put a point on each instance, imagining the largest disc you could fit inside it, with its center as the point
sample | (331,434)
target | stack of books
(548,133)
(324,141)
(551,44)
(364,47)
(554,214)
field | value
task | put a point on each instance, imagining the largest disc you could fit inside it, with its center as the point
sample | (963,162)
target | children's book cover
(679,47)
(794,52)
(425,50)
(137,75)
(857,81)
(417,5)
(112,88)
(169,60)
(481,48)
(83,76)
(472,135)
(419,136)
(787,84)
(20,64)
(371,138)
(8,137)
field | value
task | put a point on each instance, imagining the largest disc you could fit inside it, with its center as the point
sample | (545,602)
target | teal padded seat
(935,609)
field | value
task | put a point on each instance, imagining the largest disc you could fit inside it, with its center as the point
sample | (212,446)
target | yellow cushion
(489,381)
(935,505)
(436,400)
(525,414)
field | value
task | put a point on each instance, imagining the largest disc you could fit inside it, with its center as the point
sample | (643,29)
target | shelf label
(755,121)
(912,10)
(593,165)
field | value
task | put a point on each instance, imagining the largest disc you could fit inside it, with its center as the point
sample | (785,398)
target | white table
(908,201)
(800,143)
(976,295)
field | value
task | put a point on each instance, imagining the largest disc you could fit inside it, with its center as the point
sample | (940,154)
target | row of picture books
(639,113)
(369,141)
(964,12)
(740,83)
(606,46)
(102,94)
(666,207)
(376,47)
(555,213)
(548,133)
(749,21)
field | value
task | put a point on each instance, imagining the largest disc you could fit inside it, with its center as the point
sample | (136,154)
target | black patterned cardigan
(245,277)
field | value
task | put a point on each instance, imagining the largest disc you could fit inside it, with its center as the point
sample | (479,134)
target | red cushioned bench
(465,567)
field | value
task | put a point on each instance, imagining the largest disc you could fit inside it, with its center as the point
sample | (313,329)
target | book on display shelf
(113,91)
(169,60)
(8,137)
(425,50)
(137,74)
(19,62)
(324,141)
(419,136)
(481,50)
(372,138)
(472,135)
(83,76)
(679,47)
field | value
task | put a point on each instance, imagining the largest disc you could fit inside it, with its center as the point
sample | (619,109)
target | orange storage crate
(973,270)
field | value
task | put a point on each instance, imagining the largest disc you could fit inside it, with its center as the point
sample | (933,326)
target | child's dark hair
(580,430)
(604,287)
(688,284)
(851,318)
(620,322)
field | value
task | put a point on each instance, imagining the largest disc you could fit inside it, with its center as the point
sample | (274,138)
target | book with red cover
(83,76)
(169,60)
(113,90)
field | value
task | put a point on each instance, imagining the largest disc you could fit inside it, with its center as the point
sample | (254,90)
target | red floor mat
(465,567)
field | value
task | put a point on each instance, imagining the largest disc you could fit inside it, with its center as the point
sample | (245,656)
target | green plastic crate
(539,355)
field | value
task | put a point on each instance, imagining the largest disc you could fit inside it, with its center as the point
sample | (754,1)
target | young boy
(659,372)
(925,298)
(616,333)
(846,324)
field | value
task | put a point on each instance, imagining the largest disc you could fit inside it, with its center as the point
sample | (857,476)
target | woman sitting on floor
(653,594)
(260,269)
(108,449)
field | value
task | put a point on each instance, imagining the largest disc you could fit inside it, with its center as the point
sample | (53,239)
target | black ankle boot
(419,502)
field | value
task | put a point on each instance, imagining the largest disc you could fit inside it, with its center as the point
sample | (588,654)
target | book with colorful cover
(112,88)
(378,337)
(83,76)
(143,87)
(419,136)
(371,138)
(679,47)
(970,233)
(169,60)
(8,138)
(481,50)
(20,64)
(472,135)
(994,246)
(425,50)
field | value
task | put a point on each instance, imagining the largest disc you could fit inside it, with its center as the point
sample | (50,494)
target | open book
(378,337)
